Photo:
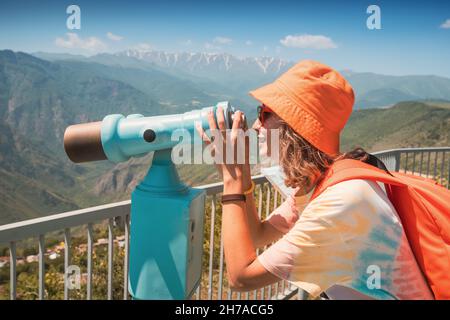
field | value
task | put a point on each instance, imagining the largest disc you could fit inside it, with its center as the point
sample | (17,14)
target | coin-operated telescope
(166,233)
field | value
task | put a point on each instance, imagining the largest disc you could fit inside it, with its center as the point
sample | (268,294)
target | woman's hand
(236,176)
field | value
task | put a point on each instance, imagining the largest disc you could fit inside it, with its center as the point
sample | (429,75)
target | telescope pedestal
(166,240)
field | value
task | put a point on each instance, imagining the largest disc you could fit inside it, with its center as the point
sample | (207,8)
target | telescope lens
(82,142)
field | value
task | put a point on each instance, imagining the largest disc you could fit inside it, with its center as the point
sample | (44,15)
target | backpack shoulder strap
(348,169)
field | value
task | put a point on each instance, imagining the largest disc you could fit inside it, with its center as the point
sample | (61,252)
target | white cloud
(222,40)
(113,37)
(186,42)
(143,46)
(308,41)
(248,43)
(212,47)
(446,24)
(73,41)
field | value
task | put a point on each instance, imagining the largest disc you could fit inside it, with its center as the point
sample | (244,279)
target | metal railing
(210,287)
(38,228)
(429,162)
(432,162)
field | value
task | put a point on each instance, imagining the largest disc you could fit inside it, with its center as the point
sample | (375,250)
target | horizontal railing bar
(30,228)
(403,150)
(217,187)
(33,227)
(291,293)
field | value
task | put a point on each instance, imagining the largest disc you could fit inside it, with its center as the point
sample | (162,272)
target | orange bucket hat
(314,99)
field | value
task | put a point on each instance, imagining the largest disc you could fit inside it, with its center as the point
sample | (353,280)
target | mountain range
(219,73)
(41,94)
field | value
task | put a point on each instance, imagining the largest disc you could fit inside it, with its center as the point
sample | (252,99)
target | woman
(348,241)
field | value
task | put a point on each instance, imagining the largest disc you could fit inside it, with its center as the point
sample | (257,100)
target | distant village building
(101,242)
(32,258)
(53,255)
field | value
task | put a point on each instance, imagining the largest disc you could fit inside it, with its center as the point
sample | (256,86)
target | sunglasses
(263,113)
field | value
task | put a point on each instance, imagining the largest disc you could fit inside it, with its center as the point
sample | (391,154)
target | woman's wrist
(246,178)
(240,183)
(233,186)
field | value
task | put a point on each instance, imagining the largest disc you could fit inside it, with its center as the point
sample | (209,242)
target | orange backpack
(424,209)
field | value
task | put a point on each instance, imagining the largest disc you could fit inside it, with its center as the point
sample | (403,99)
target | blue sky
(414,39)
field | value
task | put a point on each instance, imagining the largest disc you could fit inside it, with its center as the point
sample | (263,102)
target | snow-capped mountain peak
(205,60)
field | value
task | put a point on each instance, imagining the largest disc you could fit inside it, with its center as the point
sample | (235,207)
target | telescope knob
(149,135)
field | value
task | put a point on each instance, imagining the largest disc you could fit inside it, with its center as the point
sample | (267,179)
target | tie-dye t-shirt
(350,236)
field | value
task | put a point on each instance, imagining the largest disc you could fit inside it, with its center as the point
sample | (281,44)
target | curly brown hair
(303,164)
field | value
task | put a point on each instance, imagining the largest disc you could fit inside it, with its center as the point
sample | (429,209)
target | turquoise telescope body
(166,219)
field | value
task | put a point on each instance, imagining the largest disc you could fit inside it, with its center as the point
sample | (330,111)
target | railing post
(211,248)
(221,268)
(12,270)
(66,261)
(110,257)
(89,262)
(301,295)
(448,176)
(41,267)
(435,164)
(421,163)
(406,161)
(275,203)
(125,263)
(397,156)
(260,199)
(267,214)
